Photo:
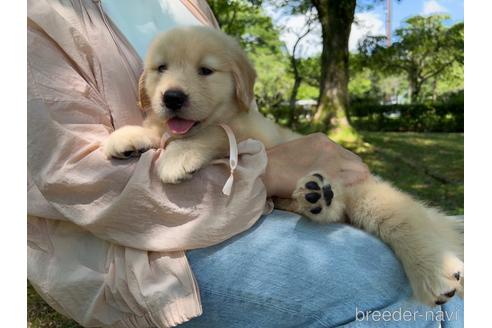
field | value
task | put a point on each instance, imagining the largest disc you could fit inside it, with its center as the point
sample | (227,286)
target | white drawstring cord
(233,158)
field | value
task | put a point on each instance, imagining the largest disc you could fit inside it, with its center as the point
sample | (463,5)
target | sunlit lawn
(418,163)
(393,156)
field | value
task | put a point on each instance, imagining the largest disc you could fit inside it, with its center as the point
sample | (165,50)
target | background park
(385,78)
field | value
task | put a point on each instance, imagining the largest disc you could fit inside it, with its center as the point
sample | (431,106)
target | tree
(425,49)
(234,16)
(295,63)
(336,18)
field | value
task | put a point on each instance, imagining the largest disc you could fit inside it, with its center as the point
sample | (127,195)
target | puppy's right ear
(143,98)
(244,76)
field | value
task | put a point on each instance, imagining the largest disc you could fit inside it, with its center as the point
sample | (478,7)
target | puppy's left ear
(143,98)
(244,79)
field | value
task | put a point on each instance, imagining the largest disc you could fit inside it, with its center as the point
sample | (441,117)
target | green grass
(409,160)
(41,315)
(427,165)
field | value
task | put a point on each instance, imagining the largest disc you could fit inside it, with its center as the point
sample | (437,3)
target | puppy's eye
(205,71)
(162,68)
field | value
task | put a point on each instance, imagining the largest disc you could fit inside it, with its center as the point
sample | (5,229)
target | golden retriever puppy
(196,78)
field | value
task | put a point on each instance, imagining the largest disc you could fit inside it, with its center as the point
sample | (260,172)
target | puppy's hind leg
(427,243)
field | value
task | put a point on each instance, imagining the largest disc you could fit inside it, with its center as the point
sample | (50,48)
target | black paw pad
(440,302)
(328,194)
(451,293)
(319,176)
(311,185)
(457,276)
(312,197)
(316,210)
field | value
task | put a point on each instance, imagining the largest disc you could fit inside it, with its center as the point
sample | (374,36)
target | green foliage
(447,115)
(246,21)
(307,91)
(424,50)
(371,85)
(376,76)
(309,69)
(450,81)
(235,16)
(273,84)
(361,84)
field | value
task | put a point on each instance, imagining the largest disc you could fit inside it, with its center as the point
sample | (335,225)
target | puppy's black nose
(174,99)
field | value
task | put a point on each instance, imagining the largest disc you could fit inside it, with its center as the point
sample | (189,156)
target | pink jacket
(106,238)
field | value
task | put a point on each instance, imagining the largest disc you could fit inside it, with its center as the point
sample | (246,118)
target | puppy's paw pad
(312,197)
(312,185)
(315,198)
(328,194)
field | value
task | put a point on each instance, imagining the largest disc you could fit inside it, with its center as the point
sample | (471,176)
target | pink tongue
(179,125)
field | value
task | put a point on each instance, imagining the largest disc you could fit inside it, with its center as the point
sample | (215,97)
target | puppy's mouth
(180,126)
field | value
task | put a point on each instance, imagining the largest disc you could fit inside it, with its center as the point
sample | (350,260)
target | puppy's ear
(244,79)
(143,98)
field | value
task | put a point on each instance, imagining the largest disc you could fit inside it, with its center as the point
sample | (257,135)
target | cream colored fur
(427,243)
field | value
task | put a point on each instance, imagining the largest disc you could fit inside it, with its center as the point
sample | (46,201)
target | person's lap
(289,272)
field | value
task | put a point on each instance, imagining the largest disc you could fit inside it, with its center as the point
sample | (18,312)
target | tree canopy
(426,58)
(425,48)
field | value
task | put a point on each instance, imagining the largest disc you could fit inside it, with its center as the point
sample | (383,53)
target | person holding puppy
(110,245)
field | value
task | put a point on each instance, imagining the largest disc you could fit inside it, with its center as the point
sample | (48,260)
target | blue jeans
(289,272)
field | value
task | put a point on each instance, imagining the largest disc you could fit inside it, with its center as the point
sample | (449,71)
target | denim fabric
(289,272)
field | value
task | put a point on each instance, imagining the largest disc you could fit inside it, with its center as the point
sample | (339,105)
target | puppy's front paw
(319,200)
(179,163)
(435,281)
(129,141)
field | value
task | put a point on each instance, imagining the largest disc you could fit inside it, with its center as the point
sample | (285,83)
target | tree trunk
(297,77)
(414,87)
(434,90)
(336,19)
(292,101)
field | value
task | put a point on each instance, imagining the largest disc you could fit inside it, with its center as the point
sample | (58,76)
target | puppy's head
(195,77)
